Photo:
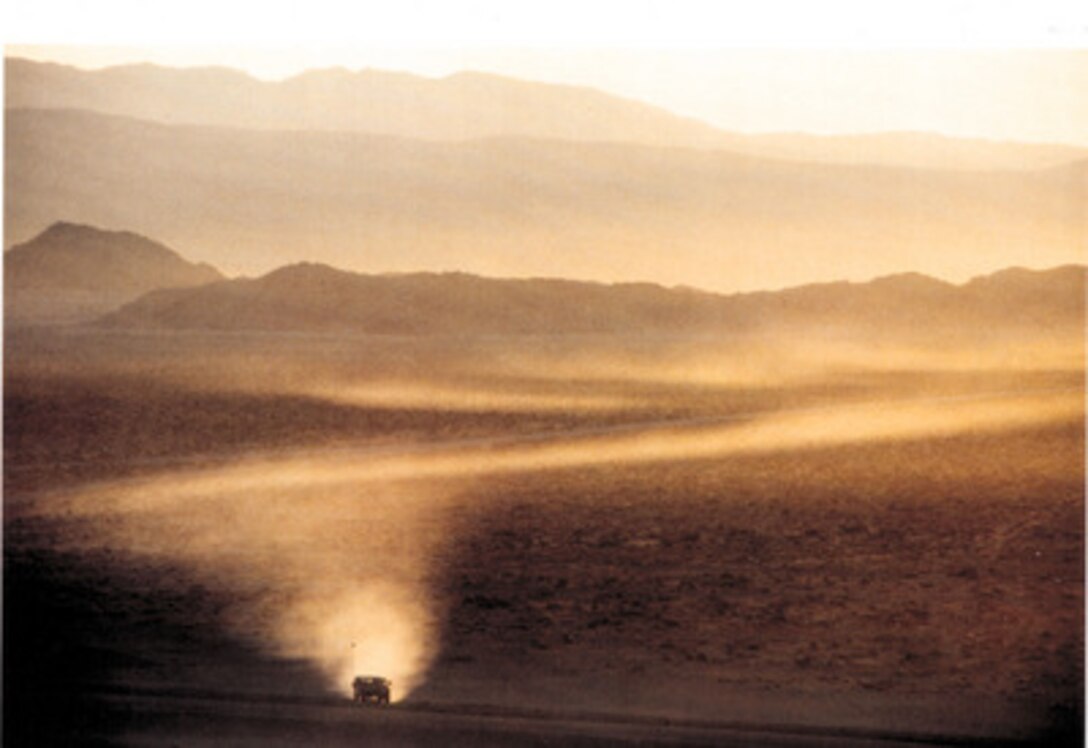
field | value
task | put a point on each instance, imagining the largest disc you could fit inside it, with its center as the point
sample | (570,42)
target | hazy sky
(1008,70)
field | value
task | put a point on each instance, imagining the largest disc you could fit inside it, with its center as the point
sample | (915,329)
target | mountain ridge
(248,201)
(311,297)
(339,100)
(136,282)
(468,105)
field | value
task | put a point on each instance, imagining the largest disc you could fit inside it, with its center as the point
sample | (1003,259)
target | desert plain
(542,539)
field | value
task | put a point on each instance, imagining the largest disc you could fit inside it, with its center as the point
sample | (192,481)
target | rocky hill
(71,272)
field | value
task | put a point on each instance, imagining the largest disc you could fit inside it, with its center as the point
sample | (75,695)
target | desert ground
(580,540)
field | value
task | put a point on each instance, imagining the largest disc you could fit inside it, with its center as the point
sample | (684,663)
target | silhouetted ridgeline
(79,273)
(308,297)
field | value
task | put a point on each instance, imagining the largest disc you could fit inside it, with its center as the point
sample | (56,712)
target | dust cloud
(329,556)
(330,574)
(386,628)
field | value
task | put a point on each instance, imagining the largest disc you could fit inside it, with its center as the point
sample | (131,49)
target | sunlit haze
(1025,95)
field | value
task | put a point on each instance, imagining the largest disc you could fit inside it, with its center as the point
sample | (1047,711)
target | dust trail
(461,398)
(663,440)
(333,552)
(779,362)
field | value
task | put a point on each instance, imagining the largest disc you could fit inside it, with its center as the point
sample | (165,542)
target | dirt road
(154,719)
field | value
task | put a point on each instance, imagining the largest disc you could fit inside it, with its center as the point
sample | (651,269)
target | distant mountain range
(383,172)
(68,264)
(248,201)
(466,106)
(71,272)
